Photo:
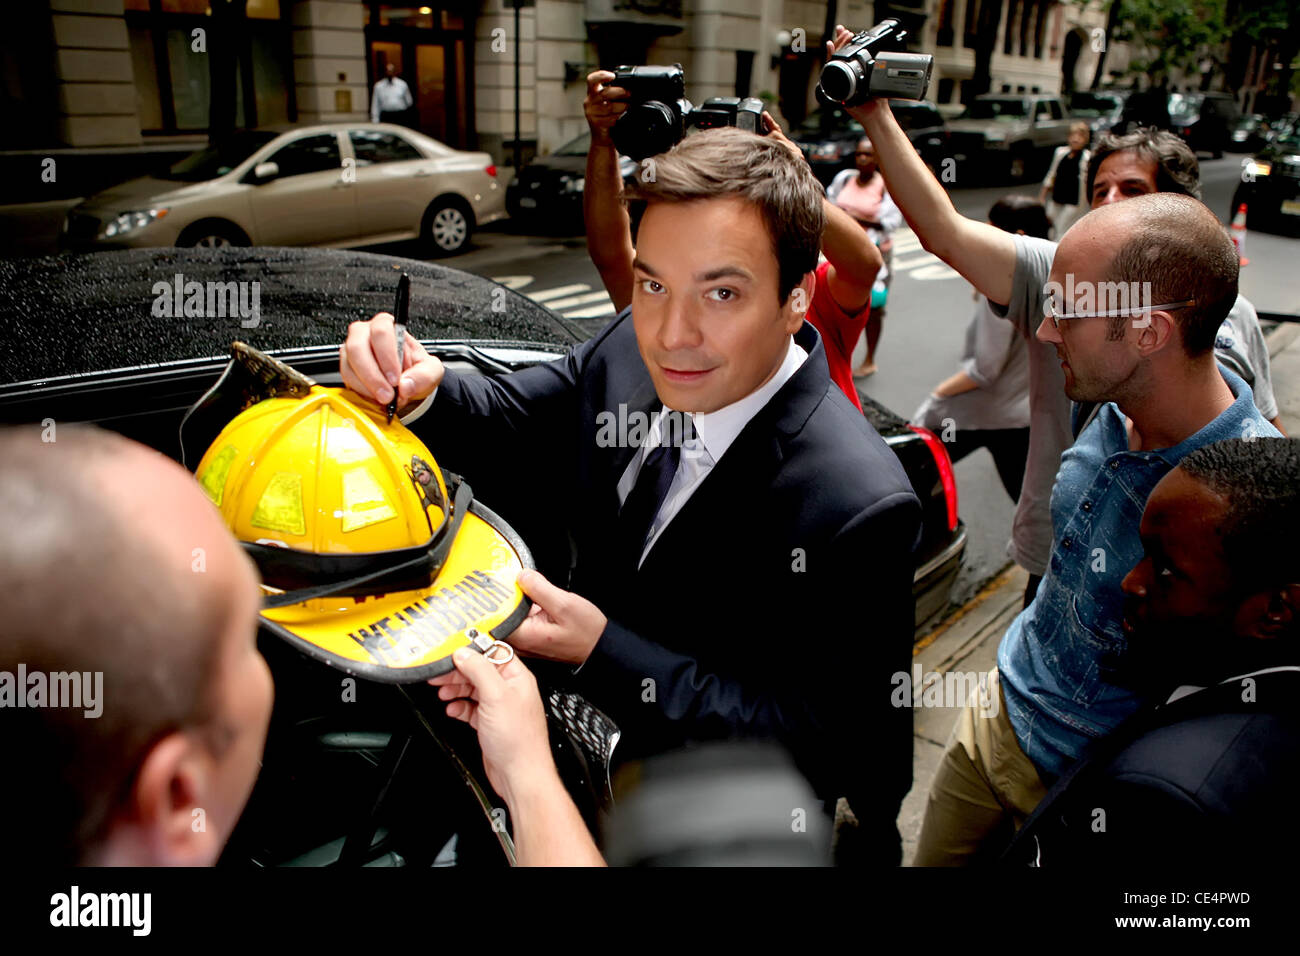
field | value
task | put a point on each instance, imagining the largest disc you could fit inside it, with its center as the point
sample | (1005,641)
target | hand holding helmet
(368,362)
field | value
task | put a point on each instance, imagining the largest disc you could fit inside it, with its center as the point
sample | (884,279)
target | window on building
(944,35)
(172,79)
(944,94)
(744,71)
(1009,27)
(970,30)
(1039,27)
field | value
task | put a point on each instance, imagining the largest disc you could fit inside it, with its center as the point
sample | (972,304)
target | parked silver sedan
(334,185)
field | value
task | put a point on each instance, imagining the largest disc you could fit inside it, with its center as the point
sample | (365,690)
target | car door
(395,183)
(1040,120)
(311,200)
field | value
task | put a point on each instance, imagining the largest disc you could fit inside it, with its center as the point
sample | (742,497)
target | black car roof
(73,315)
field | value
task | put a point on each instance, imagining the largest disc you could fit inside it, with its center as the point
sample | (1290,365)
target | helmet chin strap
(427,559)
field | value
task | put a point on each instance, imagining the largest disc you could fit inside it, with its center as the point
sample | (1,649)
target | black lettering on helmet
(375,643)
(489,584)
(485,602)
(439,606)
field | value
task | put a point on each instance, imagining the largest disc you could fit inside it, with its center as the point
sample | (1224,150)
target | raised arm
(609,231)
(854,258)
(983,254)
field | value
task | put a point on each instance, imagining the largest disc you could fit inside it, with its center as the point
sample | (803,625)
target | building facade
(101,74)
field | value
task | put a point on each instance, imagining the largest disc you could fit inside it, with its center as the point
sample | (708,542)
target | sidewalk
(968,641)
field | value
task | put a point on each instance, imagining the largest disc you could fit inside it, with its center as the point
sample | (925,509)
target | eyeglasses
(1056,317)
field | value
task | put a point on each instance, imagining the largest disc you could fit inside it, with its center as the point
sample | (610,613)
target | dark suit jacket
(776,603)
(1209,780)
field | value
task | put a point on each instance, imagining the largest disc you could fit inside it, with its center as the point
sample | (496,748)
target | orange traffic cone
(1239,234)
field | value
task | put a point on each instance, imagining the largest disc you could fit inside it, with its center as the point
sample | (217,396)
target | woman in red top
(861,193)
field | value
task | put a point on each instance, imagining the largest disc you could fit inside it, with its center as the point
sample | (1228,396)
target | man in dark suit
(1210,775)
(719,558)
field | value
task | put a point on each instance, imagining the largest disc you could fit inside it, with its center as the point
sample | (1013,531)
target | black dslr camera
(874,65)
(655,119)
(658,113)
(741,112)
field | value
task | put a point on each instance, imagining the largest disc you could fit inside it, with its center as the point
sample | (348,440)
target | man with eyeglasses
(1151,362)
(1011,271)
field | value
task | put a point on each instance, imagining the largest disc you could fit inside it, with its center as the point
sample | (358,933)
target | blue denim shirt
(1055,656)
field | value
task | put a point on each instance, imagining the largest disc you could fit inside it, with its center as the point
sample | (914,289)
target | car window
(1185,106)
(576,147)
(1057,112)
(311,154)
(916,117)
(213,161)
(372,146)
(1006,110)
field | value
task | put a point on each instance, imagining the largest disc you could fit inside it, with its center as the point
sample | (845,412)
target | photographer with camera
(1012,270)
(842,294)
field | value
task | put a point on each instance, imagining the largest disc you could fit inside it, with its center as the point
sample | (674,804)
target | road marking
(925,260)
(547,295)
(577,300)
(512,282)
(937,271)
(594,312)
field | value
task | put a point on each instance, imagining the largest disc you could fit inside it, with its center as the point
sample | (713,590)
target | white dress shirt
(391,96)
(714,434)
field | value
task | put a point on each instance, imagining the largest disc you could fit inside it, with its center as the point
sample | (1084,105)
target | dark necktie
(652,483)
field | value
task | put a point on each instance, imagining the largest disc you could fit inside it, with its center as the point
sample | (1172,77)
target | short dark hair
(1185,253)
(1177,169)
(1014,212)
(731,162)
(1260,478)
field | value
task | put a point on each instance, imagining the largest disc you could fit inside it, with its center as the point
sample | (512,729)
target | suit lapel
(750,464)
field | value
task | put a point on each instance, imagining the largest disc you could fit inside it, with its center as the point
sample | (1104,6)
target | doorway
(428,47)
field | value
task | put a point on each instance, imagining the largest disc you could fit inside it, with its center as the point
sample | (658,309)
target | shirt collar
(1229,424)
(717,430)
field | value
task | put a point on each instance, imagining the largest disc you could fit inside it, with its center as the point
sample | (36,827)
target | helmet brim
(409,636)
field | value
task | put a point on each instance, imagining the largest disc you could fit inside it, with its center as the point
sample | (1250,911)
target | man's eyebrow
(639,263)
(1120,182)
(724,271)
(707,276)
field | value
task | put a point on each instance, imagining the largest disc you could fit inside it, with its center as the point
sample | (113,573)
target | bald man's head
(1174,243)
(113,563)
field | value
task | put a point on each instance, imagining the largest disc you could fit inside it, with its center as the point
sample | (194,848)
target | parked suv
(1204,120)
(1010,134)
(1101,109)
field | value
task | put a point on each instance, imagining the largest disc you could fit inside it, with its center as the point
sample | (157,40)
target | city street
(929,306)
(928,309)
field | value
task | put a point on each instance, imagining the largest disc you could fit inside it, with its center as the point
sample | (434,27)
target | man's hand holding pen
(370,366)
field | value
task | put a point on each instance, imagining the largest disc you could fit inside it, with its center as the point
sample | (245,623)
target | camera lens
(839,81)
(646,130)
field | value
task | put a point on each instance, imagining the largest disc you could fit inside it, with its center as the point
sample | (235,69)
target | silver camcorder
(873,65)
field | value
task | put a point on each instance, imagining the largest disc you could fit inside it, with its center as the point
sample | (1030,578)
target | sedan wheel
(212,242)
(450,229)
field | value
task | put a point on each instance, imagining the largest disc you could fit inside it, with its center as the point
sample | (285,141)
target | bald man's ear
(174,782)
(1271,615)
(1155,331)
